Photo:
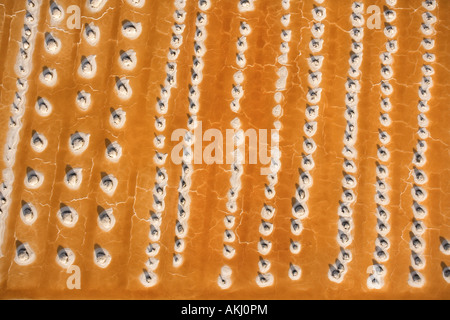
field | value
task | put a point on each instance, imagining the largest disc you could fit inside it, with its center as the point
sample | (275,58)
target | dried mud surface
(132,202)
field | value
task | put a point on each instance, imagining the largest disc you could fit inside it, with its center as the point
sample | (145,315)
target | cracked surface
(111,239)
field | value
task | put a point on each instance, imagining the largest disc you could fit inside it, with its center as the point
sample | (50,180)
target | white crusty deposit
(184,200)
(315,61)
(22,68)
(344,237)
(382,187)
(418,190)
(128,59)
(237,169)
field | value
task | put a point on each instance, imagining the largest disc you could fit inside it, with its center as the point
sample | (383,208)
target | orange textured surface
(133,201)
